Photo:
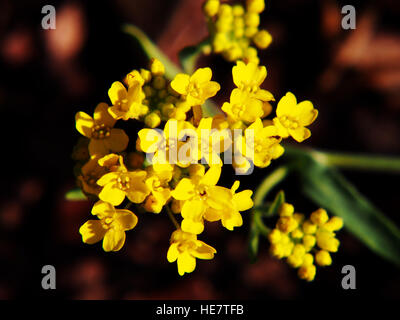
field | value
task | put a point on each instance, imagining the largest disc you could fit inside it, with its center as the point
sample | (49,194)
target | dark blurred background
(46,76)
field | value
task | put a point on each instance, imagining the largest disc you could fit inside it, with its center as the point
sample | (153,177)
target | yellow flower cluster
(233,29)
(172,113)
(304,241)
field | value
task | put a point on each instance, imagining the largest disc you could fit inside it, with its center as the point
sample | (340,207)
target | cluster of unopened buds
(175,160)
(235,28)
(296,239)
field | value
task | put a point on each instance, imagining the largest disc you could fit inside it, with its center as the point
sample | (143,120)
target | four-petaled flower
(185,248)
(127,104)
(261,144)
(197,88)
(233,203)
(99,129)
(198,193)
(292,117)
(117,185)
(110,227)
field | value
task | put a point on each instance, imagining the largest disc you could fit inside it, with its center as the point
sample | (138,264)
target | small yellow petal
(112,195)
(84,124)
(186,263)
(113,240)
(180,83)
(92,231)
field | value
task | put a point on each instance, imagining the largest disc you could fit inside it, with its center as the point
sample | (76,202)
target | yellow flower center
(106,222)
(156,184)
(100,131)
(194,89)
(123,182)
(259,146)
(238,110)
(202,192)
(251,88)
(122,104)
(289,122)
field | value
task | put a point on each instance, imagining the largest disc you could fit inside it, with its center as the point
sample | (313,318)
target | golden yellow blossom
(199,192)
(292,117)
(266,145)
(95,168)
(127,104)
(185,248)
(232,203)
(117,185)
(110,227)
(196,88)
(99,129)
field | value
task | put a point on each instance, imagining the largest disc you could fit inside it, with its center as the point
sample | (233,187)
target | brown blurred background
(352,77)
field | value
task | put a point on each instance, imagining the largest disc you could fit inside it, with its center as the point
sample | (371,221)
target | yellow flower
(196,88)
(199,192)
(91,171)
(117,185)
(167,146)
(185,248)
(232,203)
(132,77)
(243,107)
(292,118)
(99,129)
(111,227)
(261,144)
(157,182)
(127,104)
(212,139)
(249,77)
(95,168)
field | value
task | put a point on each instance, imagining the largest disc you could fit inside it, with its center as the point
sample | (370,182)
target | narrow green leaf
(253,244)
(330,190)
(75,195)
(151,50)
(188,56)
(273,208)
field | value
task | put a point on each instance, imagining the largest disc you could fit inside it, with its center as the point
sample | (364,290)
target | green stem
(264,188)
(172,218)
(269,182)
(347,160)
(358,161)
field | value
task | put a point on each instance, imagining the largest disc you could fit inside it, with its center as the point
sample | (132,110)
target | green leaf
(253,244)
(75,195)
(330,190)
(273,208)
(188,56)
(188,60)
(151,50)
